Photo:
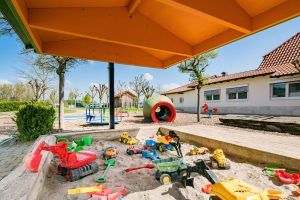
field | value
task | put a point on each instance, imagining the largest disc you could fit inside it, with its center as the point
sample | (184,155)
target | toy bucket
(79,142)
(80,148)
(87,141)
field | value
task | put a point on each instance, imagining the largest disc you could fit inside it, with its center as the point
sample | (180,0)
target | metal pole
(111,87)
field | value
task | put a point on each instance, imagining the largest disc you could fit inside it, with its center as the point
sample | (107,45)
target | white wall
(259,98)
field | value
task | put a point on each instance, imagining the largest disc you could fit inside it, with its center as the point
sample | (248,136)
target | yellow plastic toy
(126,139)
(234,189)
(83,190)
(218,160)
(198,151)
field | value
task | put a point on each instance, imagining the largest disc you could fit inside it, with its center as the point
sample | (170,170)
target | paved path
(12,156)
(265,118)
(285,145)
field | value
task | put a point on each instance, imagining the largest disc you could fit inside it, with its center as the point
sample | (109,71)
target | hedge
(7,106)
(35,119)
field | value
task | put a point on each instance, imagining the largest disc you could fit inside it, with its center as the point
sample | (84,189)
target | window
(237,93)
(294,89)
(212,95)
(280,90)
(181,100)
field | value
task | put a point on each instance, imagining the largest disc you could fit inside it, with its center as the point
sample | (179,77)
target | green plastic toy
(109,163)
(76,145)
(270,171)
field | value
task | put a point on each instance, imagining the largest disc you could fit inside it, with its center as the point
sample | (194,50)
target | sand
(141,184)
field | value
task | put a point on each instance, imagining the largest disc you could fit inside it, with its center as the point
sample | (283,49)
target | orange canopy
(152,33)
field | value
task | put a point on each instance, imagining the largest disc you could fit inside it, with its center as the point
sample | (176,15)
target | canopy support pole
(111,87)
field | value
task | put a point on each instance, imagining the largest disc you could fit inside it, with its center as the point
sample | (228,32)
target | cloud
(5,82)
(169,86)
(148,76)
(68,82)
(22,80)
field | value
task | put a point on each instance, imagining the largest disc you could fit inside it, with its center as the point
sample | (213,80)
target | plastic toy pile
(75,163)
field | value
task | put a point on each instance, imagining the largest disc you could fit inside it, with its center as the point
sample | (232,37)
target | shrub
(35,119)
(7,106)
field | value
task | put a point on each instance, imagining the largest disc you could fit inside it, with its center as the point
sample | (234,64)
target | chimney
(224,73)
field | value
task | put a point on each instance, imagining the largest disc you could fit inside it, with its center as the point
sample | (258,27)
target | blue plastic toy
(151,153)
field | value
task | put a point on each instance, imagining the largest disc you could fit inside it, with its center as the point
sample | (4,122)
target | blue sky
(245,54)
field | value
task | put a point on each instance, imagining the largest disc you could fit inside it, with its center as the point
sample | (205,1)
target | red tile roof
(180,89)
(283,54)
(276,63)
(118,95)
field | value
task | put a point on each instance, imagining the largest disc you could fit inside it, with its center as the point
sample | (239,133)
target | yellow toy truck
(126,139)
(219,161)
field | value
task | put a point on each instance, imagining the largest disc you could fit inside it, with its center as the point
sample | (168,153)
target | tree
(86,99)
(5,28)
(6,92)
(20,91)
(196,67)
(76,95)
(53,97)
(137,86)
(159,89)
(61,65)
(71,96)
(148,89)
(101,90)
(92,92)
(121,88)
(39,77)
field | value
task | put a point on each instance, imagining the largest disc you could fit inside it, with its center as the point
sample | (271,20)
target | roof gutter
(9,11)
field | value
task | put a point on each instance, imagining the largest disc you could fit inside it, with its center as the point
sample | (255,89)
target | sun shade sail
(152,33)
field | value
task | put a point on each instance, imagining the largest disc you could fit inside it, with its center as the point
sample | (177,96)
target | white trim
(292,79)
(237,99)
(287,97)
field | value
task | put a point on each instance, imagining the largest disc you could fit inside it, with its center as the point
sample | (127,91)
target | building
(273,88)
(124,99)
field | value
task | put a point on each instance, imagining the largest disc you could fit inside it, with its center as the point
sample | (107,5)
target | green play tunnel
(159,109)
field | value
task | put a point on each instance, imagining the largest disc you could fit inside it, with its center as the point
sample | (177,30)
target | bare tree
(107,97)
(5,28)
(148,89)
(92,92)
(101,90)
(6,92)
(76,95)
(159,89)
(137,86)
(39,77)
(53,97)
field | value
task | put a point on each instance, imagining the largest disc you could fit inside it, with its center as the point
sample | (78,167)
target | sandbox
(141,184)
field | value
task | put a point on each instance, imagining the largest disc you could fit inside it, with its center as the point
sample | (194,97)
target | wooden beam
(217,41)
(118,28)
(133,5)
(173,61)
(225,12)
(277,14)
(101,51)
(21,8)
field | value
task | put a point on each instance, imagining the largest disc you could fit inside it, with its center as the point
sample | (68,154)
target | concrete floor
(285,145)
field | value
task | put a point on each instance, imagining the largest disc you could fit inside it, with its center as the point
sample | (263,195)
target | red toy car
(133,150)
(73,165)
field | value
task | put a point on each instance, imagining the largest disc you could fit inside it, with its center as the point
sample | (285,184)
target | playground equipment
(209,111)
(159,109)
(98,115)
(74,165)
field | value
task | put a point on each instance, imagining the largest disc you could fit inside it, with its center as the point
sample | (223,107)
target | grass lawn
(132,109)
(67,110)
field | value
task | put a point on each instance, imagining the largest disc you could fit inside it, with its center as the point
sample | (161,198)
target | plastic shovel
(149,165)
(109,163)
